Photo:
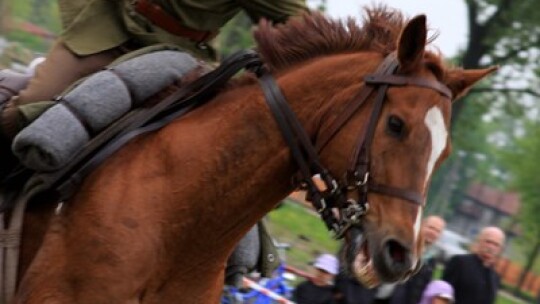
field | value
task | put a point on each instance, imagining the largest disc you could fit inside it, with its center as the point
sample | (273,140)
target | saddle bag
(51,140)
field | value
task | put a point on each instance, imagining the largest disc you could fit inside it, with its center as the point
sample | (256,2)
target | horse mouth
(362,266)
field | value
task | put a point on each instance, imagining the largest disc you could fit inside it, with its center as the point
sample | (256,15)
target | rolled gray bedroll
(244,258)
(51,140)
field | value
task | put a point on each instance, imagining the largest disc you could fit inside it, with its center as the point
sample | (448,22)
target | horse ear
(460,81)
(412,42)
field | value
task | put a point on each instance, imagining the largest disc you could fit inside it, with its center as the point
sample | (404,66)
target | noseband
(323,190)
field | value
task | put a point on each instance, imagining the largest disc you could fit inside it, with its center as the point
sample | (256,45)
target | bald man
(432,227)
(472,275)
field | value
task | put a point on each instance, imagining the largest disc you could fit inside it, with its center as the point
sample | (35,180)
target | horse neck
(246,139)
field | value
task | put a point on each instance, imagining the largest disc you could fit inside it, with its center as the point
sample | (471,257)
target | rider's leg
(60,69)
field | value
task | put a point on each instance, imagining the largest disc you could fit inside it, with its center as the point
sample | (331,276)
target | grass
(505,299)
(303,230)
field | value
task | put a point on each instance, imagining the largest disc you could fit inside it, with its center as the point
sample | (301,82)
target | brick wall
(510,273)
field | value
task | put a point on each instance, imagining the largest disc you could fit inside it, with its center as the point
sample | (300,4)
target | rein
(334,194)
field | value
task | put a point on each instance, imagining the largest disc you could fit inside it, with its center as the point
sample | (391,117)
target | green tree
(505,33)
(522,161)
(235,36)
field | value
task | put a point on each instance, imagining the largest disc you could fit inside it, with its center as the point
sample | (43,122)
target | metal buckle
(350,216)
(353,212)
(364,180)
(340,231)
(323,205)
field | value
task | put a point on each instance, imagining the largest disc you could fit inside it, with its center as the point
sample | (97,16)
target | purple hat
(437,289)
(328,263)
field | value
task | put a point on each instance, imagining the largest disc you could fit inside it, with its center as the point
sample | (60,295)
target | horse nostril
(397,252)
(392,259)
(396,259)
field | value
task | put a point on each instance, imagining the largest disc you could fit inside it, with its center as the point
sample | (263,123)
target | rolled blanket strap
(59,133)
(244,258)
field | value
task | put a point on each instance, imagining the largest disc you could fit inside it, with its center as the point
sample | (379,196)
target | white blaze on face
(418,224)
(435,123)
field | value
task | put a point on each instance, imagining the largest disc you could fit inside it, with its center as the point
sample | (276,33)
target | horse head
(384,145)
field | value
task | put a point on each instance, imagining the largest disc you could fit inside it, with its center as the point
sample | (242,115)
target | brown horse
(157,221)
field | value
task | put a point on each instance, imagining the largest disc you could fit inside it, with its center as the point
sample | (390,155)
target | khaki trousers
(60,69)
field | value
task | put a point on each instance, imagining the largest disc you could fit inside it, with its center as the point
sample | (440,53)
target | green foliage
(236,35)
(502,32)
(30,41)
(43,13)
(522,161)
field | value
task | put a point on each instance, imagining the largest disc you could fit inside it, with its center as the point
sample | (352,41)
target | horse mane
(314,34)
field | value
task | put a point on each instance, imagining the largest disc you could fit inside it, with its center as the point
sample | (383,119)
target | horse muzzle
(372,262)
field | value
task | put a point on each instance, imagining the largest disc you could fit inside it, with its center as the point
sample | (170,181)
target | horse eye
(395,126)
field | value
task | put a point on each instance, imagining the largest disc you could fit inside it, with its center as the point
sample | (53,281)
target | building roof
(505,202)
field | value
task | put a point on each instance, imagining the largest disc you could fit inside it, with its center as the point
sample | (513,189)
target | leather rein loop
(323,190)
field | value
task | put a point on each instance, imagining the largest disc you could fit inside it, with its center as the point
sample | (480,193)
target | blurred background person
(320,288)
(438,292)
(472,275)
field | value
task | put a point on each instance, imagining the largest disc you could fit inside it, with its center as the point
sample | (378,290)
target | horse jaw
(358,259)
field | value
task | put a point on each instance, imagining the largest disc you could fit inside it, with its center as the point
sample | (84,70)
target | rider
(96,32)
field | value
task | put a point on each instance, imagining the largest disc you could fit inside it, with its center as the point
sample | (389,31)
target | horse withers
(156,222)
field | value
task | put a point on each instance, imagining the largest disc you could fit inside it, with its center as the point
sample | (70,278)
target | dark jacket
(350,291)
(473,282)
(411,291)
(309,293)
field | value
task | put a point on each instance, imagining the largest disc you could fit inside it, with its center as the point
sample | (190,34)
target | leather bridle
(323,190)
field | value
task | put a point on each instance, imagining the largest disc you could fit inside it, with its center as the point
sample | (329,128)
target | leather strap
(398,80)
(347,111)
(173,25)
(409,195)
(303,153)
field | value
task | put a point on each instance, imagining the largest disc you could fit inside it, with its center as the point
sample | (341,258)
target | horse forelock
(314,34)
